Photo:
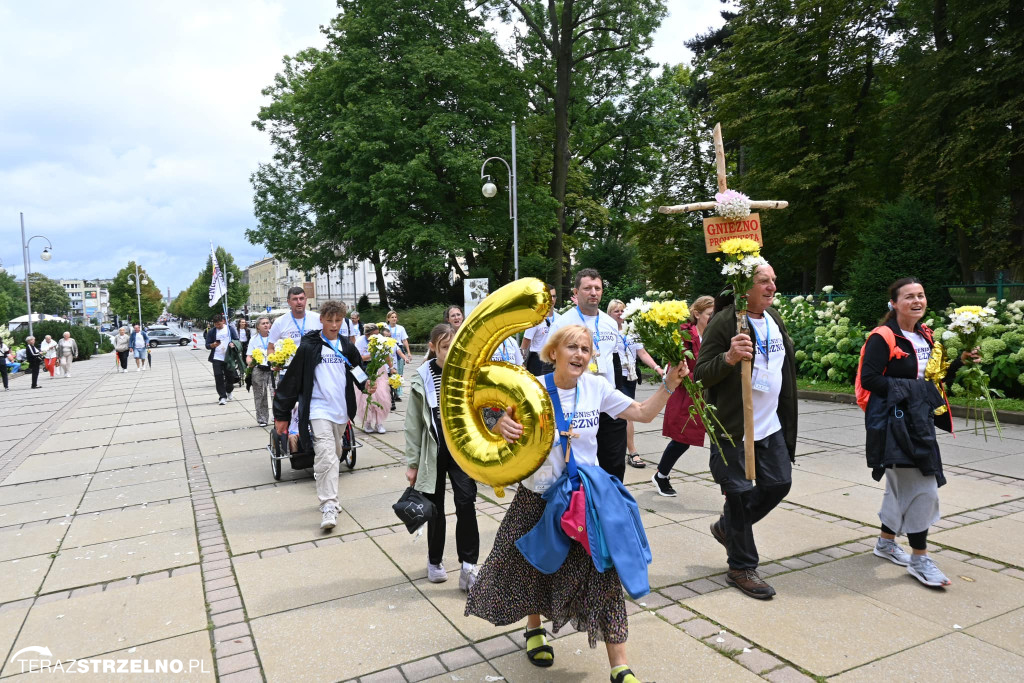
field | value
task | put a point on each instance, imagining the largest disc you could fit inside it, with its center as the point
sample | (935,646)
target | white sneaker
(330,518)
(230,397)
(890,550)
(924,570)
(371,429)
(436,573)
(222,402)
(380,429)
(467,577)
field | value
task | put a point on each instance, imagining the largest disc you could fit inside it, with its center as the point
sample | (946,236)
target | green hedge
(86,337)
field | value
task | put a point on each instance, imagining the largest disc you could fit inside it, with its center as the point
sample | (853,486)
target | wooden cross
(569,435)
(741,320)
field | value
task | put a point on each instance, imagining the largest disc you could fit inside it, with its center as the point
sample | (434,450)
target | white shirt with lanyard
(766,375)
(327,402)
(290,326)
(630,345)
(508,352)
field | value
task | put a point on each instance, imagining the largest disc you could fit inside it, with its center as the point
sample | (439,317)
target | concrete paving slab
(134,416)
(657,652)
(802,623)
(1005,631)
(146,404)
(220,423)
(998,539)
(67,487)
(120,618)
(78,424)
(62,442)
(371,512)
(477,672)
(384,628)
(234,441)
(451,602)
(330,572)
(36,416)
(17,542)
(34,510)
(969,493)
(10,623)
(783,533)
(807,483)
(858,502)
(975,596)
(53,465)
(361,482)
(143,474)
(18,432)
(124,557)
(682,554)
(955,657)
(118,456)
(146,432)
(108,499)
(22,577)
(410,552)
(272,517)
(1006,466)
(100,527)
(843,467)
(694,500)
(256,472)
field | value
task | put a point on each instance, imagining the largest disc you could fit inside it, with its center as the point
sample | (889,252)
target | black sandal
(540,649)
(621,676)
(636,461)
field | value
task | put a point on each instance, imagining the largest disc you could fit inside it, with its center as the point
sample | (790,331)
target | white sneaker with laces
(380,429)
(230,396)
(467,577)
(924,570)
(890,550)
(436,573)
(222,402)
(330,518)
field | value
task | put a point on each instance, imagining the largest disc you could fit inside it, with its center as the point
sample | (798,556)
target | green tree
(378,140)
(123,299)
(48,296)
(886,254)
(195,301)
(12,298)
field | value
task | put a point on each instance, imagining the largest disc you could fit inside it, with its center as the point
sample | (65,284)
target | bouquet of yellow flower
(380,353)
(741,257)
(395,381)
(284,350)
(657,325)
(968,324)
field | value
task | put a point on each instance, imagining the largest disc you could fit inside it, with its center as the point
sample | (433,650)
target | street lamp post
(136,280)
(46,256)
(489,190)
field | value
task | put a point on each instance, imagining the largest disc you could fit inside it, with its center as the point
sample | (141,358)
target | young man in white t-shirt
(218,338)
(325,373)
(297,322)
(611,436)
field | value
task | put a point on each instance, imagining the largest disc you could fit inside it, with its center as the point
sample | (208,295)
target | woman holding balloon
(508,587)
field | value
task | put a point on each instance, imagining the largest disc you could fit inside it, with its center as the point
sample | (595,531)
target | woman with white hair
(67,351)
(34,357)
(122,348)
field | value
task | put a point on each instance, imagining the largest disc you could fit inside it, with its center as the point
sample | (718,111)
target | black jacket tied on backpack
(900,416)
(297,383)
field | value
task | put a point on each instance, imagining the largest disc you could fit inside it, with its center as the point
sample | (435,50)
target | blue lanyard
(264,340)
(767,337)
(597,338)
(295,322)
(505,355)
(564,426)
(335,348)
(625,341)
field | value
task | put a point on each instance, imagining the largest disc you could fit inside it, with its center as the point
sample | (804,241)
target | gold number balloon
(471,381)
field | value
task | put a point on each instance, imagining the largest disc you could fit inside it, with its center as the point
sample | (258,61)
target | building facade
(351,281)
(269,280)
(89,299)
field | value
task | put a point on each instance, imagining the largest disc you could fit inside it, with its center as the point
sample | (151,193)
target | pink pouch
(574,519)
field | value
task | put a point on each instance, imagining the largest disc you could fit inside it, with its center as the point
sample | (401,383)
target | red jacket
(679,425)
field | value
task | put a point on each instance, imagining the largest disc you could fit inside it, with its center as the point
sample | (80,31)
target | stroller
(281,448)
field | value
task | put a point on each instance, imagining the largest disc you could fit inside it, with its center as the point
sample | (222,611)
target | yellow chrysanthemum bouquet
(395,381)
(657,325)
(283,353)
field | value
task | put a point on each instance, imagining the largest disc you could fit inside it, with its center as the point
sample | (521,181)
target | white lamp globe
(489,190)
(46,255)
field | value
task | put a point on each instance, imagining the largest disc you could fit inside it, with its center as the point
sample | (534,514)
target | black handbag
(414,509)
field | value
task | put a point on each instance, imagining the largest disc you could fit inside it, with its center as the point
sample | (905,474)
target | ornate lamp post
(46,256)
(136,280)
(490,190)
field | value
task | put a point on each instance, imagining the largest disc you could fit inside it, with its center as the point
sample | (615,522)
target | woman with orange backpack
(901,411)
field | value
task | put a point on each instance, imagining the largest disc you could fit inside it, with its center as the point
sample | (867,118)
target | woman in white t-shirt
(48,347)
(402,353)
(509,587)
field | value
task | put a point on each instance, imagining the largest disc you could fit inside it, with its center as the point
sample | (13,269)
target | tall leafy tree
(123,299)
(12,298)
(194,302)
(48,296)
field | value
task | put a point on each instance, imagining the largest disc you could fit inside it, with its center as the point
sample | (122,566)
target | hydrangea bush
(1002,348)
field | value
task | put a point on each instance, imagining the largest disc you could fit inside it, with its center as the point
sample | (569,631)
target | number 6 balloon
(471,381)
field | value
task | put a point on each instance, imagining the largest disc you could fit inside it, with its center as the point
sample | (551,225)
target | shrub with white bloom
(796,299)
(827,289)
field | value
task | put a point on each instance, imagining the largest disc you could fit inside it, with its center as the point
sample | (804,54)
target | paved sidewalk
(139,521)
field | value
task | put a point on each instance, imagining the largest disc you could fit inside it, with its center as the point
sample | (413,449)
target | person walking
(404,355)
(534,338)
(67,351)
(682,429)
(606,342)
(296,323)
(775,423)
(139,343)
(632,351)
(892,374)
(374,403)
(509,587)
(5,357)
(430,463)
(244,334)
(262,375)
(48,347)
(355,326)
(35,358)
(218,338)
(322,379)
(122,346)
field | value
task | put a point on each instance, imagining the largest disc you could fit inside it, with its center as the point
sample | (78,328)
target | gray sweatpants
(327,445)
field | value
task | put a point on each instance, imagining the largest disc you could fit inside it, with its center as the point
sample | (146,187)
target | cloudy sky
(125,126)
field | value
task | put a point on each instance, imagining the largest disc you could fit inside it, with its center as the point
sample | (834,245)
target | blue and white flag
(217,288)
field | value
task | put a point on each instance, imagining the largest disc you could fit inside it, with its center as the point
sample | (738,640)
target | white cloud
(125,131)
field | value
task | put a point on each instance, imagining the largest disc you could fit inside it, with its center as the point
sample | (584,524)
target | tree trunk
(562,40)
(964,256)
(378,269)
(823,274)
(1015,23)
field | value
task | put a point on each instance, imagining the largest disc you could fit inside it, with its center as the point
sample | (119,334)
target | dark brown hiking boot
(750,583)
(718,531)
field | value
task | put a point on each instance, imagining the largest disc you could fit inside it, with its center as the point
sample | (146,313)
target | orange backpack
(894,352)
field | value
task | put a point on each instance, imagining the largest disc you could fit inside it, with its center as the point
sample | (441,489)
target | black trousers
(673,451)
(746,502)
(611,446)
(467,532)
(34,367)
(3,369)
(122,357)
(218,378)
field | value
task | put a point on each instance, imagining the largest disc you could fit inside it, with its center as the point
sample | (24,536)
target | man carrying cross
(775,422)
